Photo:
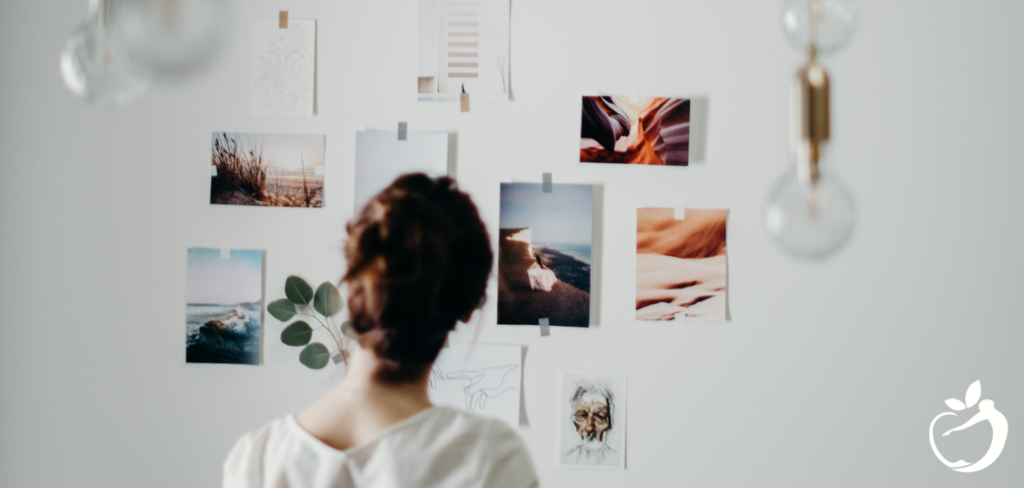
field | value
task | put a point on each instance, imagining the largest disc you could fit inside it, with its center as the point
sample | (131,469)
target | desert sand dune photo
(681,265)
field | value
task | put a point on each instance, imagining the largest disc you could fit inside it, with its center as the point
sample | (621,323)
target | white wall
(827,375)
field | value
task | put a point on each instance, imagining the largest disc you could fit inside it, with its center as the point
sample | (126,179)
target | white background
(827,375)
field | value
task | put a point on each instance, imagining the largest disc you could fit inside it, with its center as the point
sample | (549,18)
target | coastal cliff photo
(681,264)
(544,254)
(224,304)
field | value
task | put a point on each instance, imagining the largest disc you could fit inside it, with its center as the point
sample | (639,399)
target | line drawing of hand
(483,384)
(435,376)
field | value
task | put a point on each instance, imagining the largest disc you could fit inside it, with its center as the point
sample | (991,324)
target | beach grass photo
(224,303)
(681,264)
(651,131)
(267,170)
(544,254)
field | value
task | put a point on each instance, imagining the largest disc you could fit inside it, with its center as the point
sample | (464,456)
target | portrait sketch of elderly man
(594,417)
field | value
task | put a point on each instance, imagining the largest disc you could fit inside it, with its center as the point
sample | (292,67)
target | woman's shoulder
(487,450)
(446,421)
(274,450)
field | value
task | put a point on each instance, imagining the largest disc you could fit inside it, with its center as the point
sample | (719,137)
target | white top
(438,447)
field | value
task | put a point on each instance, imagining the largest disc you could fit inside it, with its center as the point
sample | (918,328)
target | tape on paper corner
(547,183)
(282,19)
(545,327)
(680,213)
(213,170)
(403,131)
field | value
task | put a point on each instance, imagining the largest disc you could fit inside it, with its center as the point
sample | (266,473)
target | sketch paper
(484,379)
(463,44)
(544,254)
(592,420)
(652,131)
(283,68)
(381,157)
(681,264)
(267,170)
(224,303)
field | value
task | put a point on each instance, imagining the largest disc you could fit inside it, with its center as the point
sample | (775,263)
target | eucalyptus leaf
(315,356)
(348,331)
(297,290)
(327,300)
(282,309)
(297,334)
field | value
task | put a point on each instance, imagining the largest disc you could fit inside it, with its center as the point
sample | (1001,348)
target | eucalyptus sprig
(302,300)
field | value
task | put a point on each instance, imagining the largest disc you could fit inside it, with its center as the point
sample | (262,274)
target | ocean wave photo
(223,334)
(224,303)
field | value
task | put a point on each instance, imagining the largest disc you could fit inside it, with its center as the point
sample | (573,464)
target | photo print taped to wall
(681,264)
(484,379)
(224,303)
(283,68)
(267,170)
(464,44)
(381,158)
(592,420)
(544,254)
(652,131)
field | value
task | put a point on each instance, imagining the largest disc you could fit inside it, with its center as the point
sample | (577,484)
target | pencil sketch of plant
(283,71)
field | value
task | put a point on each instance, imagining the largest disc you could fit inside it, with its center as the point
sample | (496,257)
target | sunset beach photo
(681,264)
(267,170)
(544,254)
(651,131)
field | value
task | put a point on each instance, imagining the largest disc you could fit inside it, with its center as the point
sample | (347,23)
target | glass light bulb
(810,220)
(96,68)
(827,24)
(171,37)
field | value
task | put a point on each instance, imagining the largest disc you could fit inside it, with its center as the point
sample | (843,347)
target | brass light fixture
(809,213)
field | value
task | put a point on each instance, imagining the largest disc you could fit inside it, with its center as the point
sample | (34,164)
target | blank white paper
(484,379)
(381,157)
(283,68)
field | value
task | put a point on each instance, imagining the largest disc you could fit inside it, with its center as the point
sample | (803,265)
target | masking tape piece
(545,328)
(337,358)
(634,96)
(403,129)
(225,252)
(318,171)
(680,213)
(547,182)
(464,101)
(282,19)
(213,170)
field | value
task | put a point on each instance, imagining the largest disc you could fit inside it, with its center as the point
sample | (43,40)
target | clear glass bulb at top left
(96,68)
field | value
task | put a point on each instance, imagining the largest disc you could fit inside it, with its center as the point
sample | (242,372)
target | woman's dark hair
(418,261)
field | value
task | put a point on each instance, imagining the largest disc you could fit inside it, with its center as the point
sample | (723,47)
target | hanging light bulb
(171,37)
(96,67)
(809,213)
